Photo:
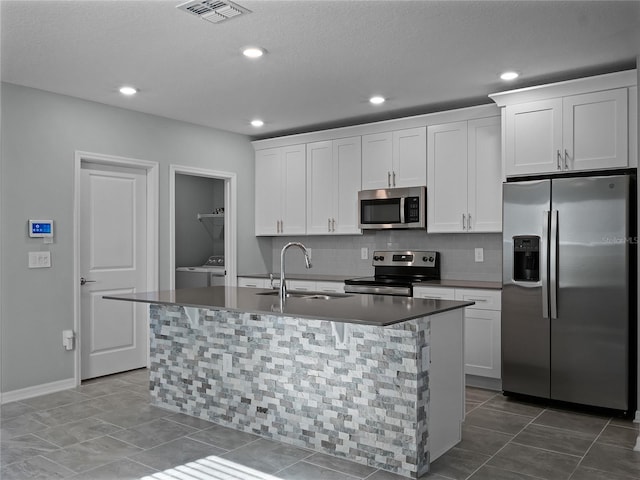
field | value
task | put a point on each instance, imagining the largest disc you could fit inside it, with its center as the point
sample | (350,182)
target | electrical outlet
(39,259)
(364,253)
(479,254)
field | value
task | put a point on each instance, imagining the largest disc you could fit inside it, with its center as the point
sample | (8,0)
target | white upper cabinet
(447,177)
(464,176)
(394,159)
(578,132)
(594,130)
(377,152)
(578,125)
(280,191)
(333,182)
(533,134)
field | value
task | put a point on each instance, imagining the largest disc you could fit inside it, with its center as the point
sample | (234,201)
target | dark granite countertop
(341,278)
(302,276)
(379,310)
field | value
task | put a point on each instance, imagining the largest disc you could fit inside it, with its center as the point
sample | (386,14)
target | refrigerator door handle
(544,262)
(553,265)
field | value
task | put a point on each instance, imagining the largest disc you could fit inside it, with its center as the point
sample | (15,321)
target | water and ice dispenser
(526,258)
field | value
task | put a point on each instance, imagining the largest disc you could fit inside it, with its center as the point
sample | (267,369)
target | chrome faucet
(283,283)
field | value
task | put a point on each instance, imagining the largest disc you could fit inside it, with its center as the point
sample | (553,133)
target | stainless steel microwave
(392,208)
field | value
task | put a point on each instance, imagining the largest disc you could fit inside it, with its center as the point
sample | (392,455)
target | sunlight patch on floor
(210,468)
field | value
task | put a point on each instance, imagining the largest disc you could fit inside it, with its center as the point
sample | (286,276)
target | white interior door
(113,217)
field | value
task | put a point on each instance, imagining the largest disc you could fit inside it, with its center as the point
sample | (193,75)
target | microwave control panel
(412,209)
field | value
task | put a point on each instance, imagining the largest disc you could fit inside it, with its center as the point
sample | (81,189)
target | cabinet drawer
(485,299)
(252,282)
(301,285)
(331,287)
(434,292)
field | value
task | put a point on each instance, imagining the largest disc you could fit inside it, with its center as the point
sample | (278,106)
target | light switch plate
(39,259)
(479,254)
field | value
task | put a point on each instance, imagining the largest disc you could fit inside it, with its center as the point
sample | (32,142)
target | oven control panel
(405,258)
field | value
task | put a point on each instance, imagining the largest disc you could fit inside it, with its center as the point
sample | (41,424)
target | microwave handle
(402,210)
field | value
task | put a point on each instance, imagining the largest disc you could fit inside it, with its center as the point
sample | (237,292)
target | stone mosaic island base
(389,397)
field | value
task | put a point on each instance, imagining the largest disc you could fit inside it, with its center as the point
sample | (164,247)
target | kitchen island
(374,379)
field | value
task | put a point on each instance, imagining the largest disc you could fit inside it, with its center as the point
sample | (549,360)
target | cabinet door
(447,177)
(268,191)
(320,178)
(409,158)
(376,160)
(533,137)
(595,130)
(484,172)
(347,175)
(294,190)
(482,343)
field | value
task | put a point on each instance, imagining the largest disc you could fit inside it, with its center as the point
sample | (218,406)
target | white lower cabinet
(482,349)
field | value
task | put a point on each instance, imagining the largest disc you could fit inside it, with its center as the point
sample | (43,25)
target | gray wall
(197,240)
(40,134)
(340,255)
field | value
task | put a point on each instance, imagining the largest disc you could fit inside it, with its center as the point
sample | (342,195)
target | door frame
(152,174)
(230,217)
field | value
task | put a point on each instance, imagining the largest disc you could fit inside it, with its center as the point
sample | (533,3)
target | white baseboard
(483,382)
(37,390)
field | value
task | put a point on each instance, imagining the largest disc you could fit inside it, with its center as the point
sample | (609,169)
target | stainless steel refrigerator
(568,270)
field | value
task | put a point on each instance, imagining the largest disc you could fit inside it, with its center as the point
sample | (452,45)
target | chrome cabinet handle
(389,179)
(328,224)
(84,281)
(559,160)
(464,219)
(566,154)
(394,179)
(468,221)
(333,224)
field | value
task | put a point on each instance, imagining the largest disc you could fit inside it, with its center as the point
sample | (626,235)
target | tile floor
(105,429)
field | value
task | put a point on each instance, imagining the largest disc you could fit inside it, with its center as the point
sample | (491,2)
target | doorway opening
(202,227)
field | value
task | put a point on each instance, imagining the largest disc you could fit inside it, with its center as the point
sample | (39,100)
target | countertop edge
(446,305)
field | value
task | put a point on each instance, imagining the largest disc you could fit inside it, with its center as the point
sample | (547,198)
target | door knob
(84,281)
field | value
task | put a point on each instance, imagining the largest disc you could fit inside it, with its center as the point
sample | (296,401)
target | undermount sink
(308,295)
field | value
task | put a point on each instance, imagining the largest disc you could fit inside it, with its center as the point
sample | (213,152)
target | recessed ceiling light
(377,100)
(253,52)
(128,90)
(257,122)
(509,75)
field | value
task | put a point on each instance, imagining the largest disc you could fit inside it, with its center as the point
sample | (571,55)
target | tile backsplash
(340,255)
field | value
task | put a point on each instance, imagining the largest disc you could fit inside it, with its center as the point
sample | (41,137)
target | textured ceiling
(324,60)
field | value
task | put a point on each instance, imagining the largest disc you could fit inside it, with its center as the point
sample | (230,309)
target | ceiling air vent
(214,11)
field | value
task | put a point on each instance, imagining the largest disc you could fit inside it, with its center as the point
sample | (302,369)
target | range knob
(378,257)
(427,259)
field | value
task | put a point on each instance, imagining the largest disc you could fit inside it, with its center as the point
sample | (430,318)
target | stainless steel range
(396,272)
